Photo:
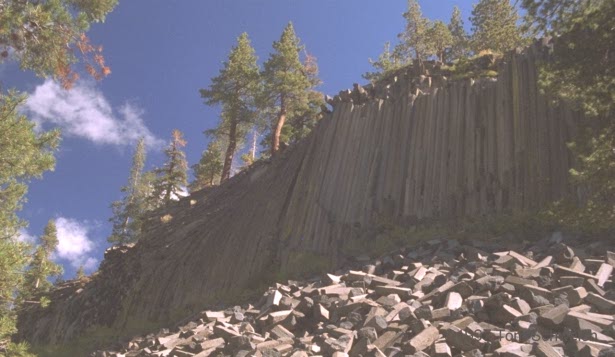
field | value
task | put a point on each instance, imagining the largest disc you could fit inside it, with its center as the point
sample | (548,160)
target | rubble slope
(442,298)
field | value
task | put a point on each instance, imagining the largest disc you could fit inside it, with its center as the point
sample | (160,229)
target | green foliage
(582,70)
(494,26)
(387,61)
(414,40)
(80,274)
(236,89)
(594,177)
(288,86)
(284,72)
(13,260)
(207,171)
(238,81)
(440,39)
(25,154)
(459,41)
(44,301)
(304,119)
(16,350)
(581,74)
(41,267)
(48,37)
(172,178)
(248,160)
(420,40)
(545,17)
(481,65)
(128,212)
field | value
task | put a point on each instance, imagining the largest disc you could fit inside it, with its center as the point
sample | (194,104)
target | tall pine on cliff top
(172,178)
(459,47)
(440,40)
(287,83)
(494,26)
(414,39)
(42,267)
(128,212)
(235,89)
(304,118)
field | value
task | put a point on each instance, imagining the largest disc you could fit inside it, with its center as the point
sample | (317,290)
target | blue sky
(160,54)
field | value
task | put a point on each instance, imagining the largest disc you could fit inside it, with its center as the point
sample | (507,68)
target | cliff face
(406,151)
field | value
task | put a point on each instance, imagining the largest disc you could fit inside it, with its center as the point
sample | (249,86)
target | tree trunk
(168,190)
(275,140)
(253,151)
(230,151)
(167,194)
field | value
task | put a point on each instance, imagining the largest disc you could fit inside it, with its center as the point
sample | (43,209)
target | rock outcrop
(442,298)
(461,149)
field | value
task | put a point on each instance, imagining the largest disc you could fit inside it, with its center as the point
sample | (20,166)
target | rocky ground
(504,297)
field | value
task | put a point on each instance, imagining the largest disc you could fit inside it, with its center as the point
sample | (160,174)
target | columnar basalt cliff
(410,149)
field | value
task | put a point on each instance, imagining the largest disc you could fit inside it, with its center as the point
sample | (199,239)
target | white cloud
(90,264)
(74,245)
(84,112)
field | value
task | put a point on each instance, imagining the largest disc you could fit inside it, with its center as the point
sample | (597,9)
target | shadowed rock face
(464,148)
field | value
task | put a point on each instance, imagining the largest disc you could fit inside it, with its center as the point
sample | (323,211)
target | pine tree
(287,83)
(582,69)
(414,40)
(387,61)
(80,274)
(305,117)
(303,121)
(128,212)
(494,26)
(41,267)
(207,171)
(47,37)
(24,154)
(235,89)
(171,179)
(581,74)
(440,39)
(556,17)
(459,46)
